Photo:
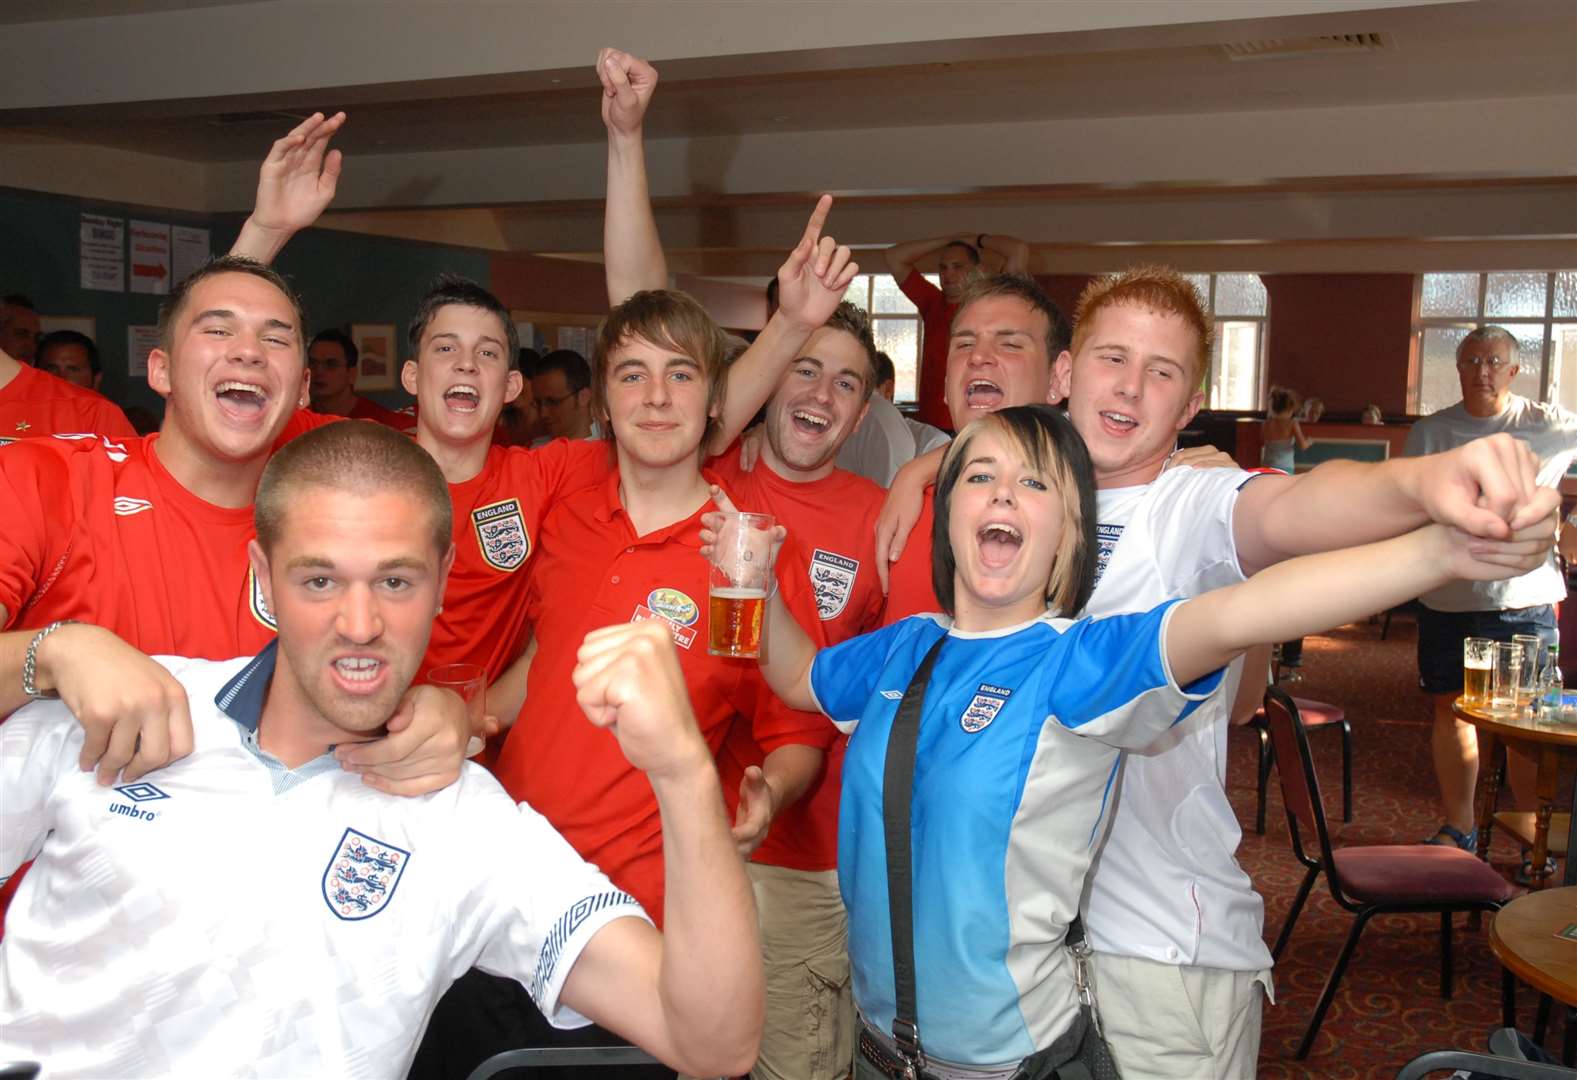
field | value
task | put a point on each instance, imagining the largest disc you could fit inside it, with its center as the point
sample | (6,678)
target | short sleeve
(564,466)
(843,677)
(38,743)
(1109,679)
(926,297)
(1196,508)
(34,489)
(541,903)
(112,422)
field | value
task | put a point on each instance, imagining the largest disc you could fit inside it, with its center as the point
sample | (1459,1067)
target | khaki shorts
(810,1025)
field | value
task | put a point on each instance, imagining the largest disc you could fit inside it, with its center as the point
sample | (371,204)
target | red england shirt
(909,590)
(831,524)
(36,403)
(936,317)
(593,571)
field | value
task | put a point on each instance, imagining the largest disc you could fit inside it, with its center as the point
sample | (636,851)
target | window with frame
(1241,310)
(895,324)
(1539,309)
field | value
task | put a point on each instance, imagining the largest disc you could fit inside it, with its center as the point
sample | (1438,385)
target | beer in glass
(741,576)
(1478,657)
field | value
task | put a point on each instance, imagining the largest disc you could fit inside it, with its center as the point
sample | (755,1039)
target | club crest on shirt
(1106,537)
(362,875)
(674,608)
(257,602)
(832,578)
(988,701)
(501,533)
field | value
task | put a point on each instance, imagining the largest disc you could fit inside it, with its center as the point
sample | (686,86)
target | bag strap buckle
(907,1037)
(1080,951)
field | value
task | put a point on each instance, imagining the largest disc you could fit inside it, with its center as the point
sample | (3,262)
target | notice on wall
(140,341)
(150,257)
(189,249)
(103,253)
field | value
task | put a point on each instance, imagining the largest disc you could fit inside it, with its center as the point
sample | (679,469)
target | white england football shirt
(227,916)
(1166,886)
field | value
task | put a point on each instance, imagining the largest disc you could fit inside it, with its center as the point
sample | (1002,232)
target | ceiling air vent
(1282,48)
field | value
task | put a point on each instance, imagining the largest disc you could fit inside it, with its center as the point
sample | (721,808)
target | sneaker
(1525,875)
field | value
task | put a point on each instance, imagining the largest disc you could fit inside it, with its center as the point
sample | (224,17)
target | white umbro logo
(125,506)
(892,695)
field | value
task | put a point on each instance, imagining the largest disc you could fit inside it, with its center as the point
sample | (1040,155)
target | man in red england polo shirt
(830,514)
(332,359)
(34,403)
(959,262)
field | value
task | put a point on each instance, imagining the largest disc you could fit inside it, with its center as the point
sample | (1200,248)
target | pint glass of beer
(1478,658)
(740,580)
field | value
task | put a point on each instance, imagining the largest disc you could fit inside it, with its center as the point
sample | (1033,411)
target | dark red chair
(1317,716)
(1369,880)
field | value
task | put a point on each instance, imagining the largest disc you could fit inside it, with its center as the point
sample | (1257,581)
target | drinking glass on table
(1532,660)
(741,575)
(1478,658)
(470,682)
(1506,676)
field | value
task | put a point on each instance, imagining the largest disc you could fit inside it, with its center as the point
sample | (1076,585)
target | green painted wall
(342,278)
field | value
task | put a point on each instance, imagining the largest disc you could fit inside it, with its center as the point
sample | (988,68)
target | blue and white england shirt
(1018,750)
(225,915)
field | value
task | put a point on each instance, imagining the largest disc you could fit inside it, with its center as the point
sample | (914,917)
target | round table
(1544,740)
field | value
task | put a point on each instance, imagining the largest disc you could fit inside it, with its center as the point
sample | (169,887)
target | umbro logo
(140,792)
(125,506)
(892,695)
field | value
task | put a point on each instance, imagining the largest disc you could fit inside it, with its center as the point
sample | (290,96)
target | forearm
(1338,504)
(507,696)
(631,249)
(789,772)
(1013,252)
(900,258)
(755,375)
(786,661)
(1302,596)
(256,242)
(710,982)
(13,648)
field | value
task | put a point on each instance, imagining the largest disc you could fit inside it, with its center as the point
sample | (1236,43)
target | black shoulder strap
(897,800)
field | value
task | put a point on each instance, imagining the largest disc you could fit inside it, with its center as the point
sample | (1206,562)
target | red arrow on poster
(155,270)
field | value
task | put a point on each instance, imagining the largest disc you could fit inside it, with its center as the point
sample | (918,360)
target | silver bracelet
(30,663)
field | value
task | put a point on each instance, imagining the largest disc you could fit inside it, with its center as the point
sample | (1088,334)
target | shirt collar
(242,698)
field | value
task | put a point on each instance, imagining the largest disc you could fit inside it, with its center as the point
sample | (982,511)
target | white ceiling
(1024,112)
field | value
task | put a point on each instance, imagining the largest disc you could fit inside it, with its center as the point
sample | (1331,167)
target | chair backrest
(1300,788)
(1481,1065)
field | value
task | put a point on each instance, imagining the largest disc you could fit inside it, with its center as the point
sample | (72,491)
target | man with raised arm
(960,260)
(1172,917)
(346,912)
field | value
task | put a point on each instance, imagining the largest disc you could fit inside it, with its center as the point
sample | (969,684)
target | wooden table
(1545,741)
(1523,940)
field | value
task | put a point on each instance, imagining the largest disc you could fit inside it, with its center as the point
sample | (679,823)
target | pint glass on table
(1478,659)
(741,576)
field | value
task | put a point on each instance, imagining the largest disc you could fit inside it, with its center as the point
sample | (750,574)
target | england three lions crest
(983,708)
(501,534)
(832,578)
(362,876)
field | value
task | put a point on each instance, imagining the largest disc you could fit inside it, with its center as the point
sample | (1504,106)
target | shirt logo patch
(142,791)
(988,701)
(501,534)
(126,506)
(1106,537)
(257,602)
(832,578)
(892,695)
(362,876)
(674,608)
(6,441)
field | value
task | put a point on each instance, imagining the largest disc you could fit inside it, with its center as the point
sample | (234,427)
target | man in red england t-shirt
(34,403)
(959,263)
(142,542)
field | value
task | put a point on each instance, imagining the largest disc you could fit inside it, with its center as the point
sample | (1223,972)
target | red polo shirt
(936,316)
(832,525)
(593,571)
(36,403)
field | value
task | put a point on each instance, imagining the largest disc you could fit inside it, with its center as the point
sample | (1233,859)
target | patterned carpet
(1388,1009)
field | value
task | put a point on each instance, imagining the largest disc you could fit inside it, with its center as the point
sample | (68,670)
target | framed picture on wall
(379,355)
